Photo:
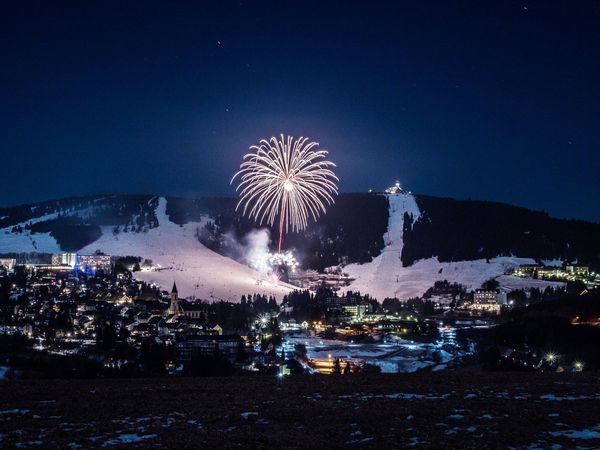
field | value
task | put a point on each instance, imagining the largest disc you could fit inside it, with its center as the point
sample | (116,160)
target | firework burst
(286,179)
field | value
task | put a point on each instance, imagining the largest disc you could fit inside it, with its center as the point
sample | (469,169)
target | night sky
(485,100)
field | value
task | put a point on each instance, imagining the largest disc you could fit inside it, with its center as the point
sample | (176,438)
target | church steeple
(174,306)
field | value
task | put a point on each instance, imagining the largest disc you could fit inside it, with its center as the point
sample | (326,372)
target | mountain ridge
(435,238)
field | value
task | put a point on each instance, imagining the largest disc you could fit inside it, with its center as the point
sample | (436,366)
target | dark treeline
(564,326)
(457,230)
(303,305)
(351,231)
(236,317)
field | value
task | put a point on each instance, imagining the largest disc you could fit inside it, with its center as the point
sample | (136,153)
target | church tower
(174,306)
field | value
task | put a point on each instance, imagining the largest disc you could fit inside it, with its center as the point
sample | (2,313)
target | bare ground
(431,410)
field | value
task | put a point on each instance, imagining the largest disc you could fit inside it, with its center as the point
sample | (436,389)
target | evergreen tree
(347,368)
(337,367)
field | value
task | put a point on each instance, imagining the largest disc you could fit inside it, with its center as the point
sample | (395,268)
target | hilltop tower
(395,189)
(174,307)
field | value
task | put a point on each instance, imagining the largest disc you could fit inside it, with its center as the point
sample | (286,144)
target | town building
(175,308)
(528,270)
(8,263)
(338,303)
(94,263)
(580,271)
(358,311)
(487,301)
(65,259)
(227,346)
(395,189)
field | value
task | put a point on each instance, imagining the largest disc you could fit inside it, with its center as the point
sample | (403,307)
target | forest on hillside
(351,231)
(456,230)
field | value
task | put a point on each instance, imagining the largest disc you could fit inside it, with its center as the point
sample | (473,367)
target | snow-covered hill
(198,271)
(166,231)
(385,276)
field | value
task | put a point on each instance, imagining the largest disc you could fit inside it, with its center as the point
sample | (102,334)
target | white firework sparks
(268,263)
(283,259)
(286,179)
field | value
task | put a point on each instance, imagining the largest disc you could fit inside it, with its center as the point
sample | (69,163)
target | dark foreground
(386,411)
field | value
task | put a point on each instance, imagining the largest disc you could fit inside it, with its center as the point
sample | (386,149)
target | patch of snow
(129,439)
(509,283)
(456,416)
(360,441)
(414,441)
(588,433)
(405,396)
(553,262)
(4,370)
(553,397)
(416,396)
(14,411)
(28,444)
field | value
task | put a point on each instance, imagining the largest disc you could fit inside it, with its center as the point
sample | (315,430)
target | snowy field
(385,277)
(4,370)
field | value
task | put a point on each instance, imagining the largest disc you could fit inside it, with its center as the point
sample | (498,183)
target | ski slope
(385,277)
(198,271)
(27,241)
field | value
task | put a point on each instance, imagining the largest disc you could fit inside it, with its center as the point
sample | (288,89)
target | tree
(371,369)
(392,305)
(347,368)
(337,367)
(300,352)
(491,284)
